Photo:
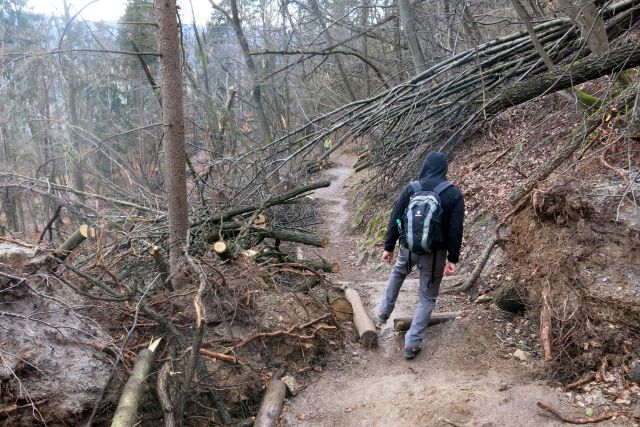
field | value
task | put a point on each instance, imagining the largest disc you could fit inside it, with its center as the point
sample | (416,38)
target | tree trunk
(399,70)
(585,14)
(526,20)
(469,25)
(365,49)
(256,93)
(173,125)
(70,77)
(315,7)
(406,16)
(579,71)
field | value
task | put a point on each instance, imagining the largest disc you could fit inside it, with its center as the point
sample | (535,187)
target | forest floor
(466,374)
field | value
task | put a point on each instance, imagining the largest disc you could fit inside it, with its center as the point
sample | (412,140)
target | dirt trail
(460,378)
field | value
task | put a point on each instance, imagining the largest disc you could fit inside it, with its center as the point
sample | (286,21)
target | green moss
(358,216)
(376,228)
(587,99)
(625,78)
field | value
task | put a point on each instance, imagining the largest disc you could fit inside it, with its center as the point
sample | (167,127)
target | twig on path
(592,420)
(582,381)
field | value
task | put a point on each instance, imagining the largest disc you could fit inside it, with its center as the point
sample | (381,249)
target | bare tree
(406,16)
(585,13)
(173,125)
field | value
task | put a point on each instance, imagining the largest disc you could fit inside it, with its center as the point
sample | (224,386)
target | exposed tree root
(592,420)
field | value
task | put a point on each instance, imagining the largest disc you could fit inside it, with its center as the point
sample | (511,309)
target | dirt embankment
(578,239)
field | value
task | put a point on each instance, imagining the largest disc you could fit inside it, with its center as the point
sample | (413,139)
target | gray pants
(428,292)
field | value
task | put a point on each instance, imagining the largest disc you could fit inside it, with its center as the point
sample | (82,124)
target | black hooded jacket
(434,171)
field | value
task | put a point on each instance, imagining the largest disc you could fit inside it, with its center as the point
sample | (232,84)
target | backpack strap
(415,186)
(441,187)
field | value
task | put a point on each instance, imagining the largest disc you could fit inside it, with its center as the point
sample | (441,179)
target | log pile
(240,228)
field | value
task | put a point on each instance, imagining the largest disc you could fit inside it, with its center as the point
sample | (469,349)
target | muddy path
(463,376)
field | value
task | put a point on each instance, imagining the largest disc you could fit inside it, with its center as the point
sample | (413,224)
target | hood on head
(435,166)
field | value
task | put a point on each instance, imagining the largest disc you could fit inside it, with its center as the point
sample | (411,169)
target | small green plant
(376,228)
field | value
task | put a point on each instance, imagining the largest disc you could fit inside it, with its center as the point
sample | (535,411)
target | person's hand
(449,269)
(386,256)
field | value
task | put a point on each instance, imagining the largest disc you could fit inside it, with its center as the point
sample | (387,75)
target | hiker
(328,145)
(410,222)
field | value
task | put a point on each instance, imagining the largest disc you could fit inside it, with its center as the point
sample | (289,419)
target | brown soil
(465,375)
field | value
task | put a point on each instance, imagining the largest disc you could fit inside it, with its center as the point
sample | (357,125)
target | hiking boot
(410,353)
(382,319)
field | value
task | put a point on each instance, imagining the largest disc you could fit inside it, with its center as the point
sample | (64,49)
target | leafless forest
(157,214)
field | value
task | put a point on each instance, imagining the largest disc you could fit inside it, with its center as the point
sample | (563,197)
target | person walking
(443,234)
(328,145)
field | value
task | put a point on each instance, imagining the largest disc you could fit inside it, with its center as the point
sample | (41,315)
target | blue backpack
(422,221)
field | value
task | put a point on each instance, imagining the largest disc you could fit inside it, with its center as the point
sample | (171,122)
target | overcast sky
(112,10)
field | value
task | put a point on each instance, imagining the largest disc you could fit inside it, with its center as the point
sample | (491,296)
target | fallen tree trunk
(579,71)
(127,411)
(294,236)
(271,405)
(404,323)
(361,320)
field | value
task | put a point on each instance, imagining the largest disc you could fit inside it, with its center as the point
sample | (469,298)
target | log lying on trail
(127,411)
(404,323)
(361,320)
(271,405)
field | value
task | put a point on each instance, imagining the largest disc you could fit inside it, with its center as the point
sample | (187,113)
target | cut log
(361,320)
(162,265)
(271,405)
(79,236)
(260,221)
(342,309)
(222,249)
(294,236)
(127,411)
(404,323)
